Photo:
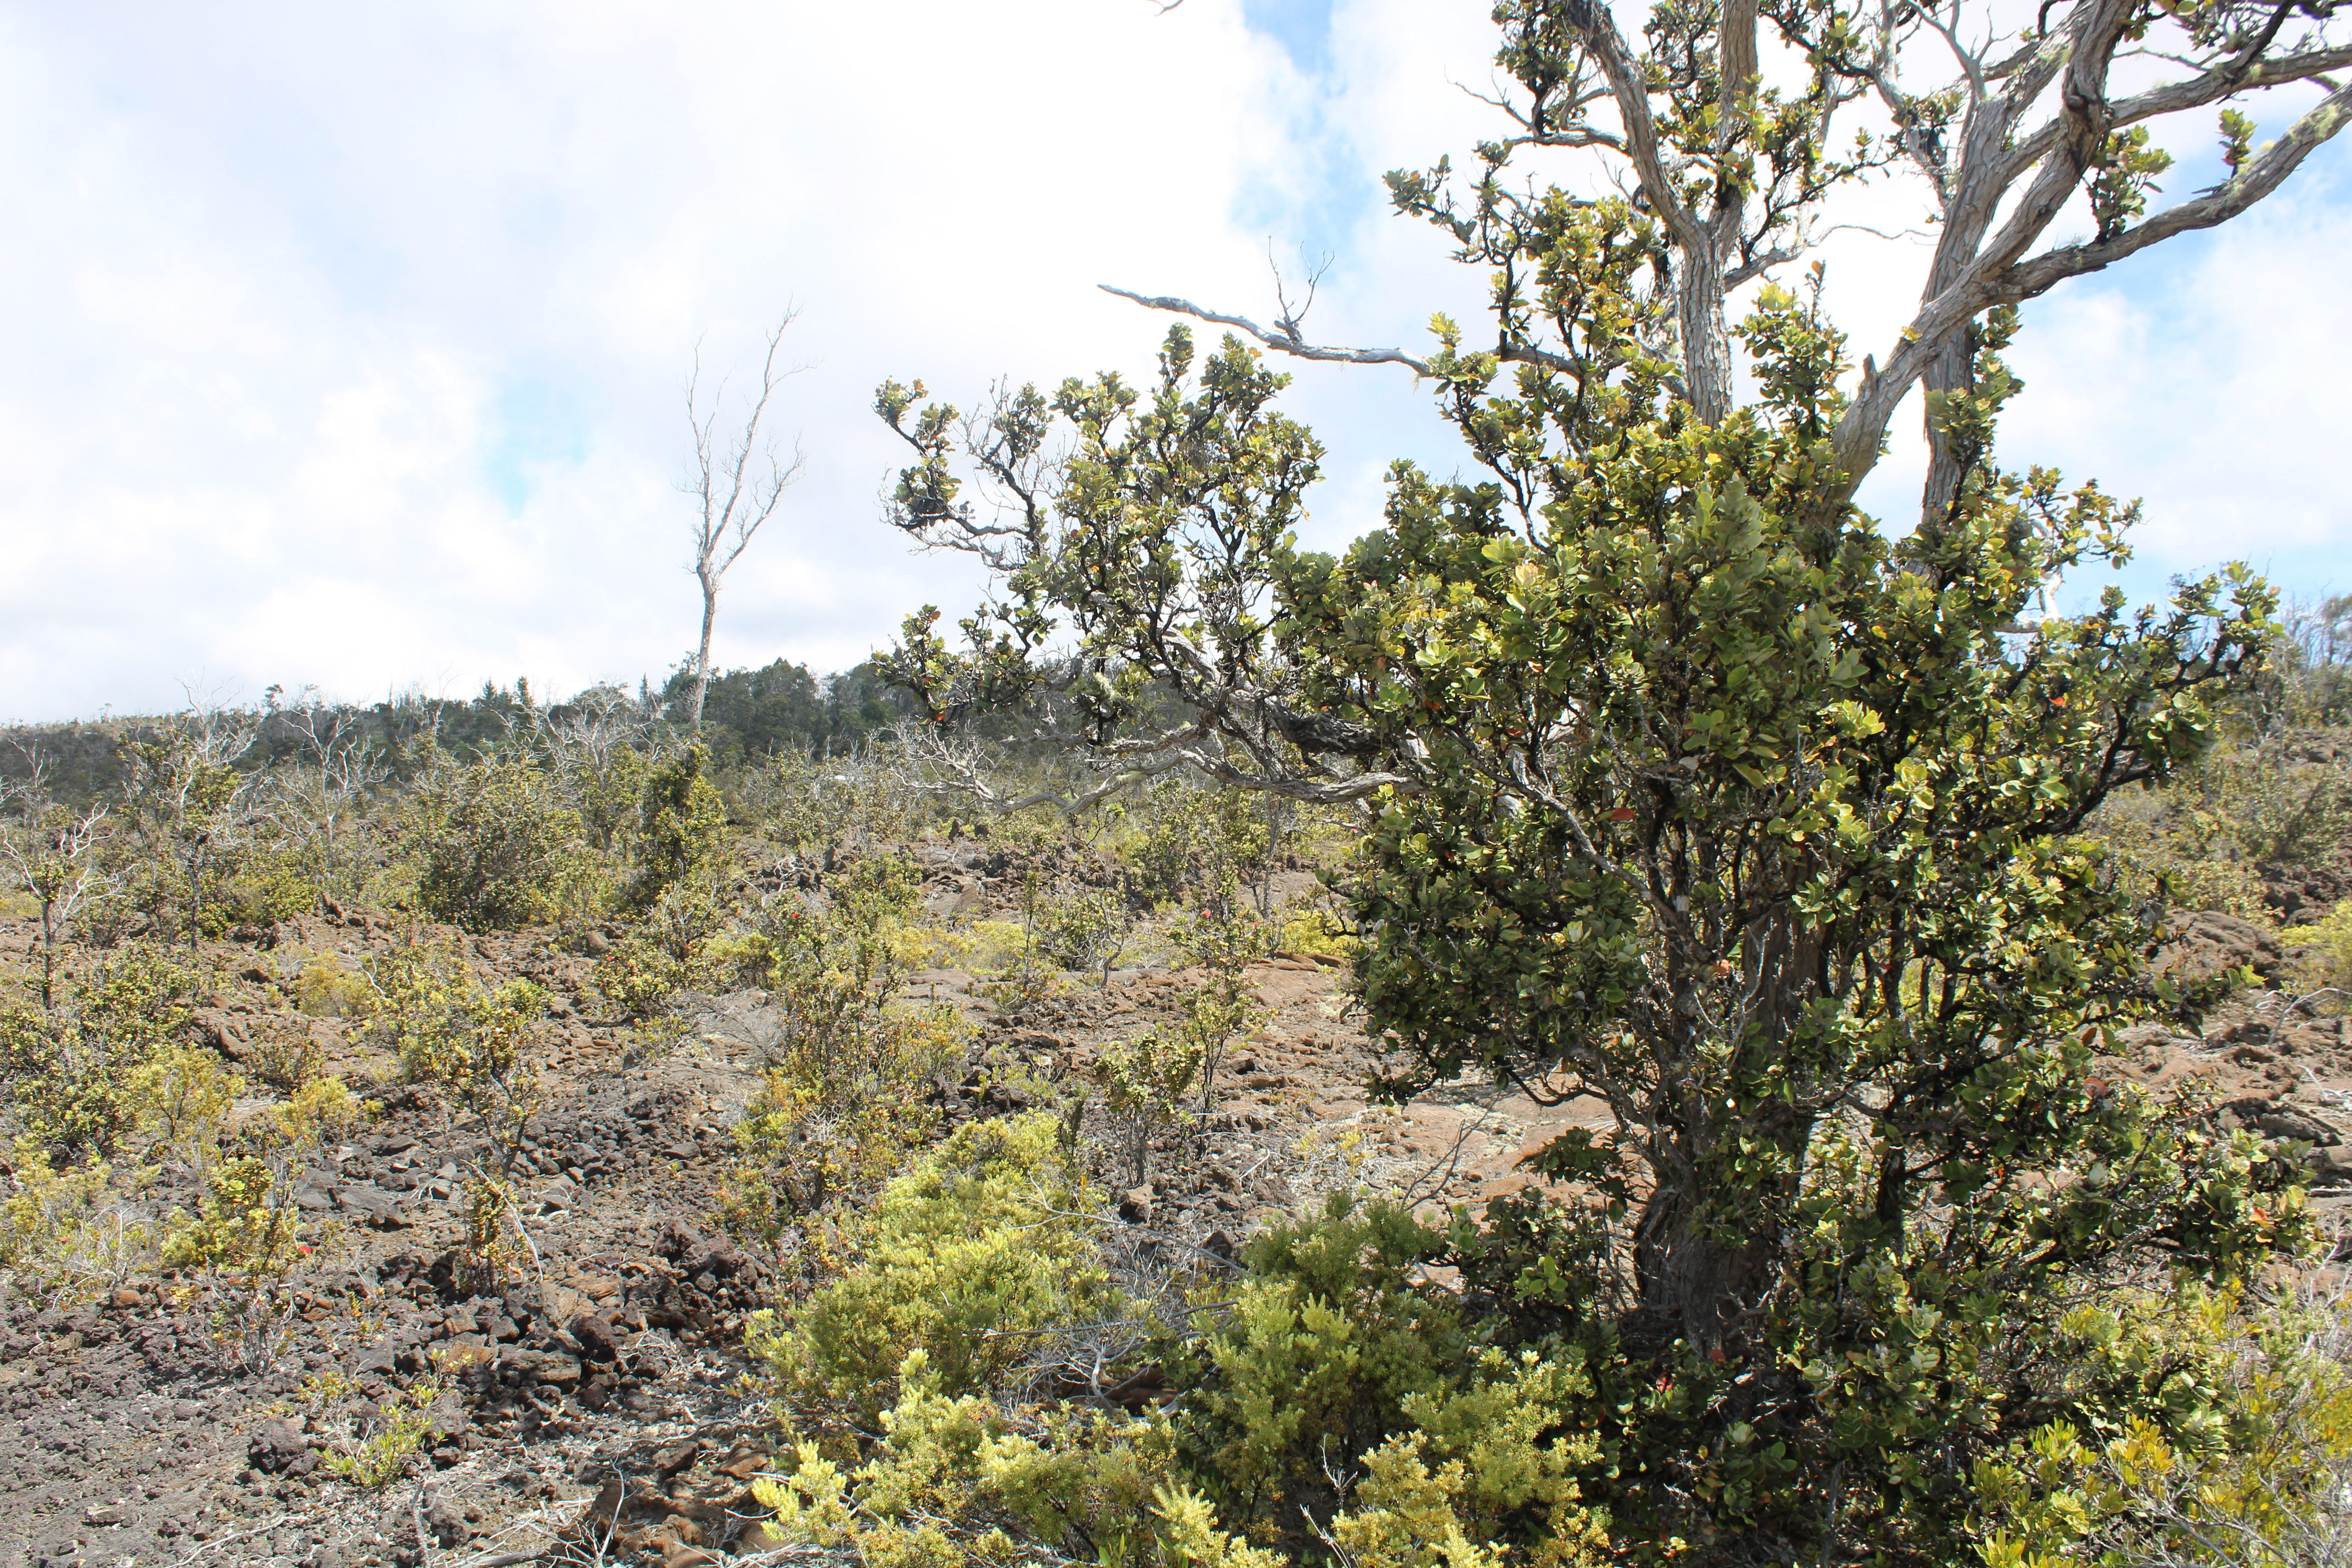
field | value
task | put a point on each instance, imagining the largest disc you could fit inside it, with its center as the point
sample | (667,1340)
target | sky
(347,347)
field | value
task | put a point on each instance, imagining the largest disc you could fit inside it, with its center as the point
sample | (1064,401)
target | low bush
(1333,1405)
(66,1235)
(680,944)
(816,810)
(471,1040)
(1146,1083)
(78,1071)
(401,1424)
(2331,942)
(1223,938)
(982,1246)
(677,843)
(852,1076)
(1180,834)
(1082,928)
(493,845)
(2240,1453)
(1377,1390)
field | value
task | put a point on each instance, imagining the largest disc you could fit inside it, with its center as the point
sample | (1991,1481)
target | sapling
(1146,1082)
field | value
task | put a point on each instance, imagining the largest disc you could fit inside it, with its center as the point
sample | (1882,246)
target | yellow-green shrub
(1145,1082)
(323,988)
(1310,1362)
(1180,834)
(2333,939)
(817,1133)
(972,1254)
(852,1076)
(1307,929)
(958,1479)
(180,1099)
(2254,807)
(403,1423)
(1083,928)
(669,950)
(815,809)
(266,883)
(834,966)
(2238,1452)
(72,1070)
(1476,1466)
(1330,1366)
(65,1234)
(247,1221)
(470,1039)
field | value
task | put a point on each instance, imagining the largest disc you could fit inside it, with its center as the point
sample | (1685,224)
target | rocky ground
(597,1410)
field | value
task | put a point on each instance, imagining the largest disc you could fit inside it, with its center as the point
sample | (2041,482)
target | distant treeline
(782,708)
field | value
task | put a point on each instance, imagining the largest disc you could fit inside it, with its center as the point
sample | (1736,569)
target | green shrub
(2253,810)
(1180,834)
(246,1221)
(64,1235)
(1145,1083)
(677,843)
(187,805)
(852,1076)
(1333,1407)
(1083,928)
(816,809)
(494,847)
(953,1480)
(401,1424)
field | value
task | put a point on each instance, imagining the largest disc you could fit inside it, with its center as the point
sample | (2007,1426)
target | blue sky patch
(532,426)
(1302,27)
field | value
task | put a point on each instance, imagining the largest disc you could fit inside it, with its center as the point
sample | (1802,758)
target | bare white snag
(737,484)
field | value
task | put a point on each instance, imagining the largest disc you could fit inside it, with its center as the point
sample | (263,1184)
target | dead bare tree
(736,483)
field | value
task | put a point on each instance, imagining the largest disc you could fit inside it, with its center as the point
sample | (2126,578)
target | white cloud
(348,346)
